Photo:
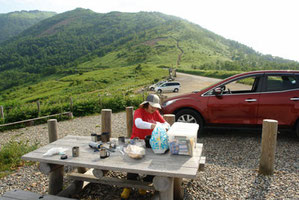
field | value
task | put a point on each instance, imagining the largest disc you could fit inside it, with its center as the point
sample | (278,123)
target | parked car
(152,87)
(172,86)
(243,100)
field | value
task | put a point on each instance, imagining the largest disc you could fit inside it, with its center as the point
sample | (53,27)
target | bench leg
(75,187)
(56,180)
(165,187)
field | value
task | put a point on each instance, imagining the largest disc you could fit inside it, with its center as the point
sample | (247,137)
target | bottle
(94,145)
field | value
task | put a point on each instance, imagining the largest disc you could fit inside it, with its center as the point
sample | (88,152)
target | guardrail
(30,122)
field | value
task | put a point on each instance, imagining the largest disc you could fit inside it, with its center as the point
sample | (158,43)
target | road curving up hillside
(191,83)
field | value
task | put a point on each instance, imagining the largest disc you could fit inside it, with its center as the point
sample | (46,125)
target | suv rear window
(281,82)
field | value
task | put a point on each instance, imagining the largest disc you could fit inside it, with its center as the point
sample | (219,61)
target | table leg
(178,190)
(165,187)
(75,187)
(56,180)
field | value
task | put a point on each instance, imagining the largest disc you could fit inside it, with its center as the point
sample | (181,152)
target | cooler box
(182,138)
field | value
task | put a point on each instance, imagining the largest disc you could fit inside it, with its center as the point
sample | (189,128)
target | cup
(75,151)
(94,137)
(121,140)
(104,153)
(105,137)
(147,141)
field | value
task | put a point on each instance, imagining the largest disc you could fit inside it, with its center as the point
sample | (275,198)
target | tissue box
(182,138)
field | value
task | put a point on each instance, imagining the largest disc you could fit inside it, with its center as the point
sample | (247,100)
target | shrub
(11,153)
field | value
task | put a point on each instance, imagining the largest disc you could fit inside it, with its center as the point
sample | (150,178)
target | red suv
(243,100)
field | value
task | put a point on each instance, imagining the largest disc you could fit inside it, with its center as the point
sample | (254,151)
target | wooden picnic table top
(166,165)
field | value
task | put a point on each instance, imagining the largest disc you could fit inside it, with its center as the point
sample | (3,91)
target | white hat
(153,100)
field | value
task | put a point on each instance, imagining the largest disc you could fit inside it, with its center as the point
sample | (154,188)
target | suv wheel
(190,116)
(176,90)
(159,91)
(152,89)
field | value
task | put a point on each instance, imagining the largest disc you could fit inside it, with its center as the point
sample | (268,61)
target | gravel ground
(230,171)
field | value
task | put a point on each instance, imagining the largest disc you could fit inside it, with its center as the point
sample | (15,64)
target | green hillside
(11,24)
(83,54)
(61,45)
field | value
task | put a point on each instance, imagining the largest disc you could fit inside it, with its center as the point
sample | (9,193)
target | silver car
(168,87)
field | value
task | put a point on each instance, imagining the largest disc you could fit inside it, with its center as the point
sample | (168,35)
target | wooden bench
(27,195)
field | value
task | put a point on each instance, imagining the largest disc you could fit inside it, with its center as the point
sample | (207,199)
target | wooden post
(170,118)
(106,120)
(38,108)
(162,98)
(2,113)
(165,187)
(269,136)
(71,104)
(56,176)
(52,130)
(129,111)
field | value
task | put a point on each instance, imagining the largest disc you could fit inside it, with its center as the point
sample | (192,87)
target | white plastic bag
(159,139)
(55,151)
(134,151)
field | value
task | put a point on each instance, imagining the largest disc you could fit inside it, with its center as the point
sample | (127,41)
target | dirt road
(191,83)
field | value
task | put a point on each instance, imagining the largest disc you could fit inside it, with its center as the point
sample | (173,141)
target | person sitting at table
(144,122)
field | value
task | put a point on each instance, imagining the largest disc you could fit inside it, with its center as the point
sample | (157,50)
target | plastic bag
(55,151)
(159,139)
(134,151)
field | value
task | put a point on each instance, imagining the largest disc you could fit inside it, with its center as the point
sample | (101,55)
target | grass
(10,156)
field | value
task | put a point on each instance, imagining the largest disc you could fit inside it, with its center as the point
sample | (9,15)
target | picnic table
(168,169)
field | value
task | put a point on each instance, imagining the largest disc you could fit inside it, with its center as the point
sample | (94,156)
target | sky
(267,26)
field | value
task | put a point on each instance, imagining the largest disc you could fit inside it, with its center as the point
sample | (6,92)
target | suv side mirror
(218,91)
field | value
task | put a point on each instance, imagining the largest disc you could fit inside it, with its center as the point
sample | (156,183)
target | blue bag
(159,139)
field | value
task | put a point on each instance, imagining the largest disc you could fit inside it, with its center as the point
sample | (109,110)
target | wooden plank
(27,195)
(111,181)
(118,163)
(153,164)
(33,119)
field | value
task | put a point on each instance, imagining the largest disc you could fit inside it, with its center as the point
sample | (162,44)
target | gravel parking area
(230,171)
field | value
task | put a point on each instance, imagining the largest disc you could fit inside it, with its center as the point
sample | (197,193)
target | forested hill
(82,40)
(14,23)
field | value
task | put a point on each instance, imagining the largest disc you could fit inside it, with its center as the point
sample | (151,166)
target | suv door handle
(250,100)
(294,99)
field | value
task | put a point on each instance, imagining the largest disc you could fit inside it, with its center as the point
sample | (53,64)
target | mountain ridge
(13,23)
(82,40)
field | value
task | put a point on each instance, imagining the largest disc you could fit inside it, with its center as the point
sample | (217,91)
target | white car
(168,87)
(152,87)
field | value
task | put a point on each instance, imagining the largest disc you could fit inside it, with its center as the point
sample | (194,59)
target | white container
(182,138)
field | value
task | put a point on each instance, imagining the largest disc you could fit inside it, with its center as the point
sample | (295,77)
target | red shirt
(146,117)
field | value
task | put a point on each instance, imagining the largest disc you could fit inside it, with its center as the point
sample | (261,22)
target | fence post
(106,121)
(56,176)
(269,136)
(129,111)
(170,118)
(38,108)
(2,112)
(71,104)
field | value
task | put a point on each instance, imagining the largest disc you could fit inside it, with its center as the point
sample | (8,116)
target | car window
(248,84)
(243,85)
(280,82)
